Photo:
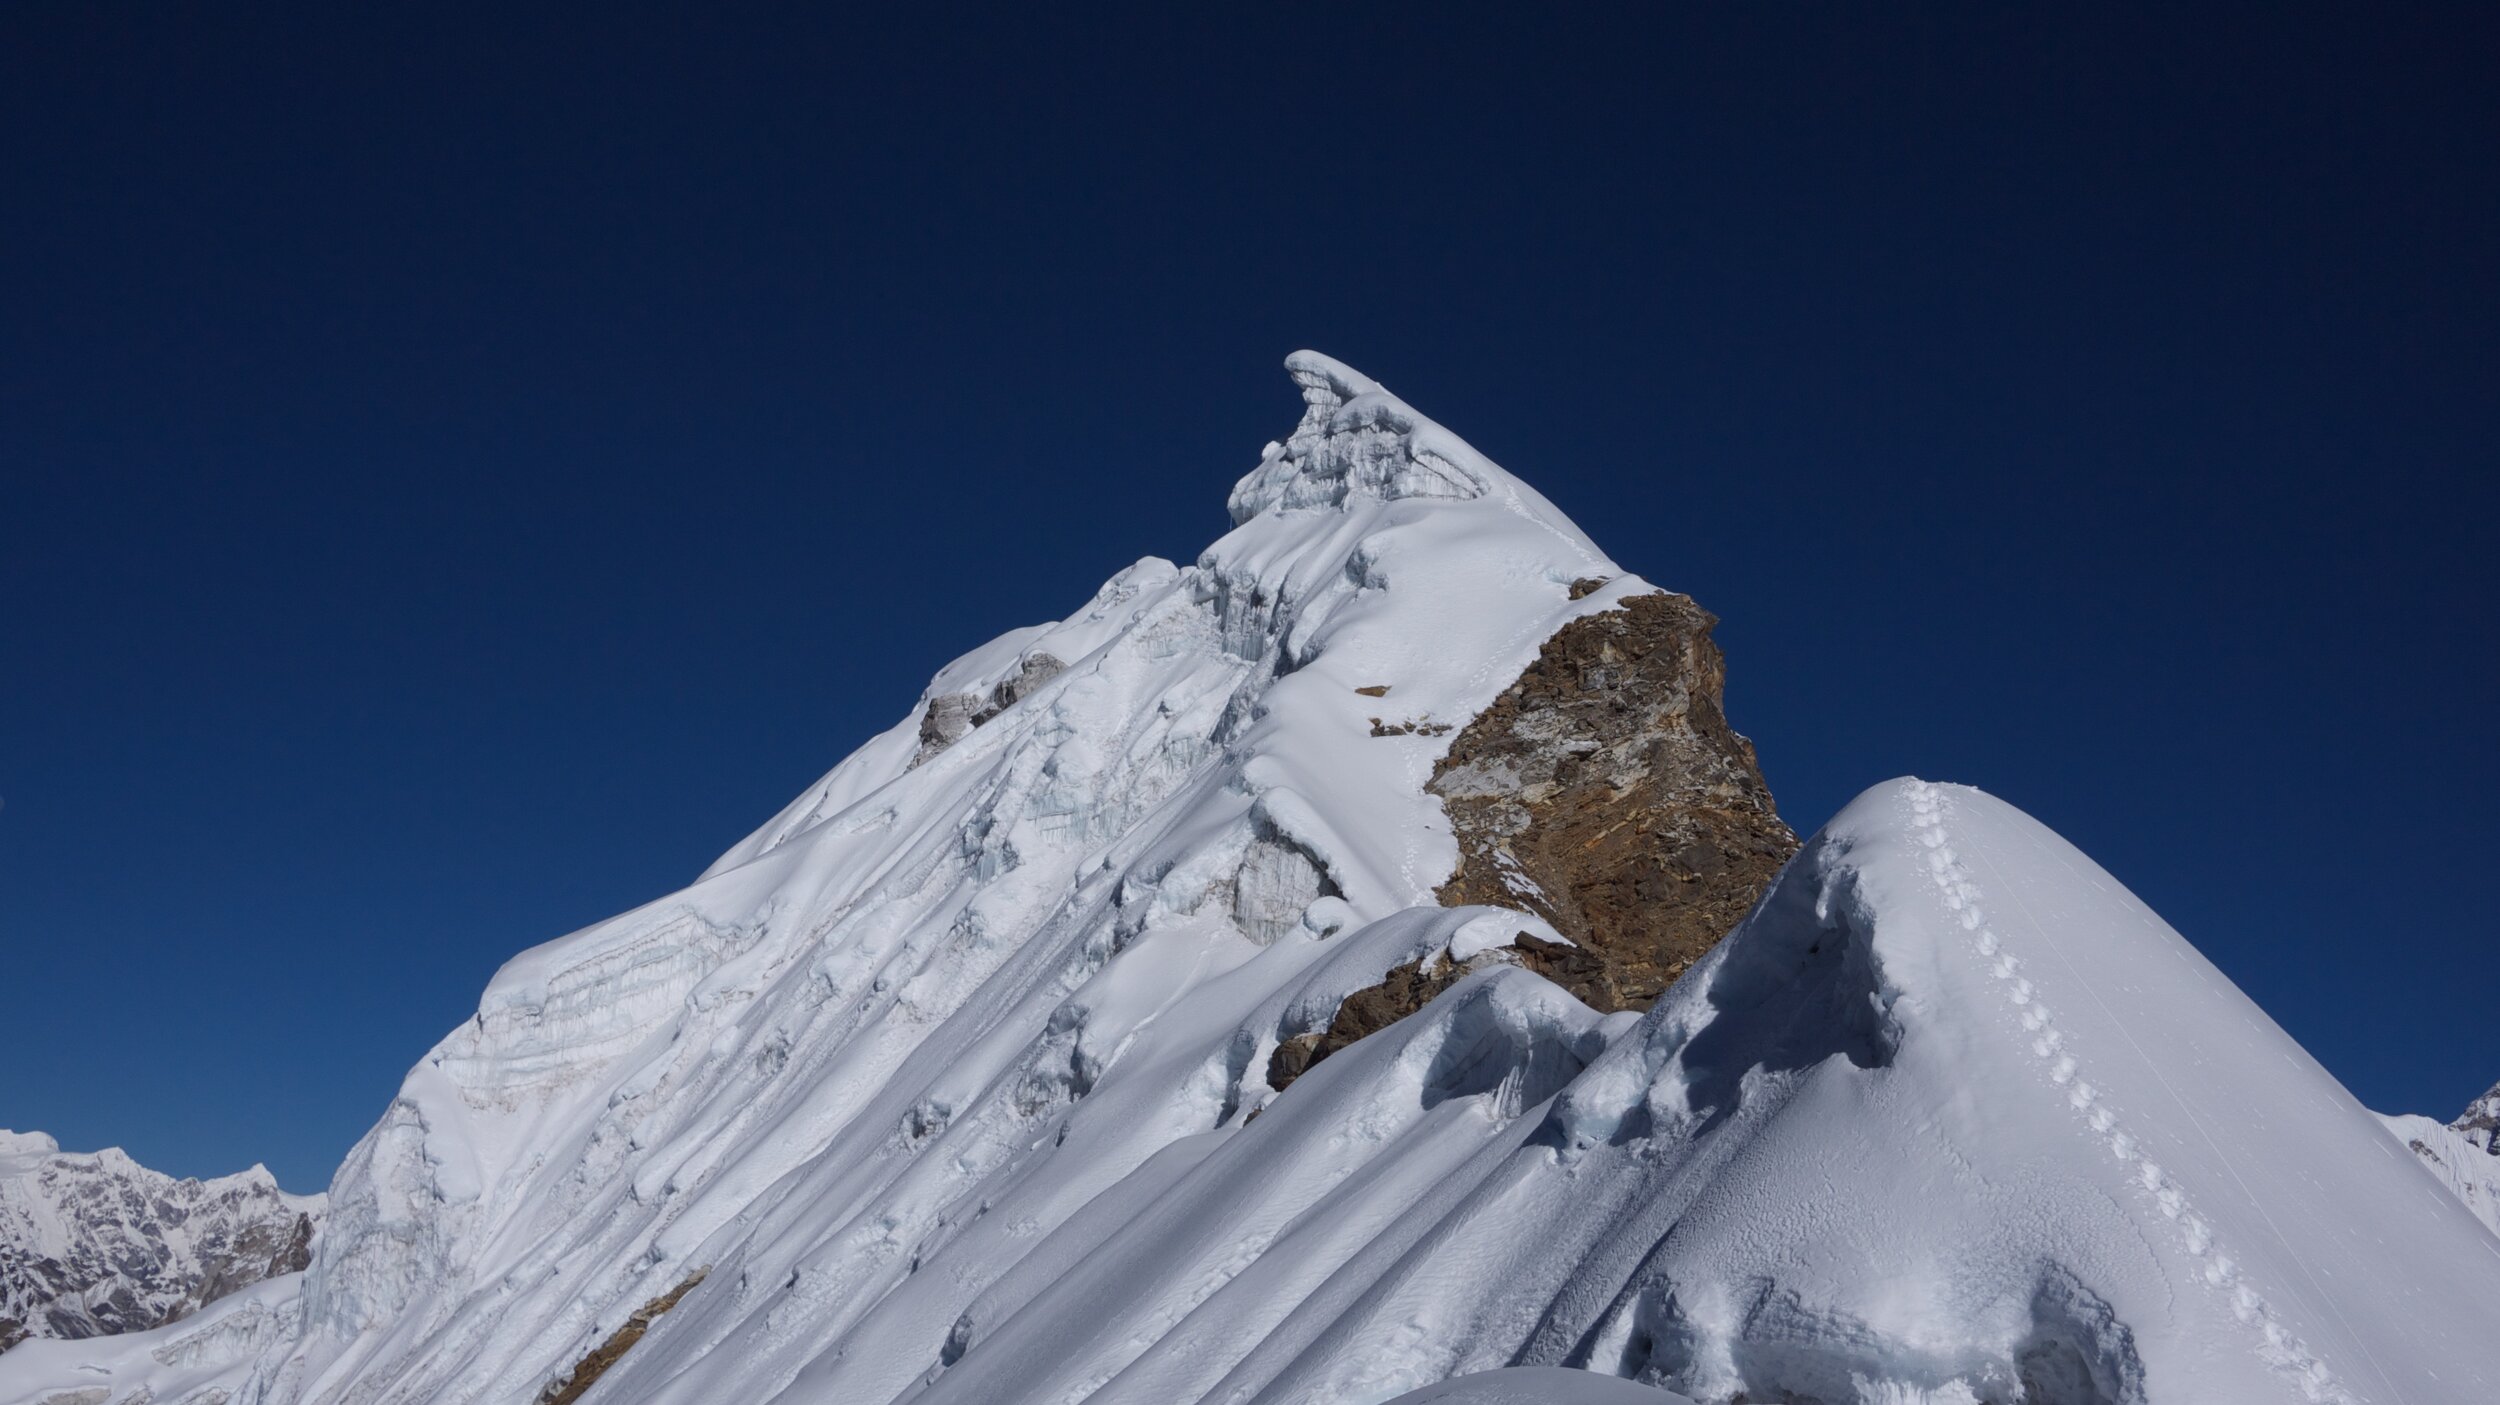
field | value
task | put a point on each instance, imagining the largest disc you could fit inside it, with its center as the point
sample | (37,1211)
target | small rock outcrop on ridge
(96,1244)
(1605,792)
(950,716)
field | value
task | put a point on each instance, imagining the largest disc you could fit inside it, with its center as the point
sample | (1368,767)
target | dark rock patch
(1400,993)
(260,1251)
(950,717)
(1412,727)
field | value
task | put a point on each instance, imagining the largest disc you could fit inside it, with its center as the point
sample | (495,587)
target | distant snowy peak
(2480,1122)
(2464,1154)
(93,1244)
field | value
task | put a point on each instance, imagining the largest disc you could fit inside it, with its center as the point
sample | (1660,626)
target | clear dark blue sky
(458,472)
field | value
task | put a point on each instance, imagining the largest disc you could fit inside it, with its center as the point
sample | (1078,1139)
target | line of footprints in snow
(2281,1349)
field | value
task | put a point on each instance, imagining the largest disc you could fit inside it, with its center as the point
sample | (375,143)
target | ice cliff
(952,1082)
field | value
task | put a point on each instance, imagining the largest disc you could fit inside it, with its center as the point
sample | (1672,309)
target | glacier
(948,1083)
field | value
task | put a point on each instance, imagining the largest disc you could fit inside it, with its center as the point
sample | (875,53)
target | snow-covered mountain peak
(94,1243)
(982,925)
(1176,1004)
(1357,439)
(1051,924)
(2480,1122)
(1326,382)
(18,1146)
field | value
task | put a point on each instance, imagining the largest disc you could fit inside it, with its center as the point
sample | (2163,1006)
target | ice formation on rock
(95,1243)
(950,1081)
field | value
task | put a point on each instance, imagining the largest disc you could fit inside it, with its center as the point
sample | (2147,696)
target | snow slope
(93,1243)
(1538,1385)
(950,1079)
(1953,1109)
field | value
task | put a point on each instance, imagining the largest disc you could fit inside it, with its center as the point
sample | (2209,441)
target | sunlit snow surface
(948,1075)
(1538,1385)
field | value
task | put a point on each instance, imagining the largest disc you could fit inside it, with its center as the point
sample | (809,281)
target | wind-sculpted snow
(2048,1149)
(1360,441)
(949,1082)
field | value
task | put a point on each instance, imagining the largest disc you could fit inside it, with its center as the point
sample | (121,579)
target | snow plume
(948,1083)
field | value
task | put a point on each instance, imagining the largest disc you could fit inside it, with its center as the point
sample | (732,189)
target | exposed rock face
(1605,792)
(1400,993)
(950,717)
(2480,1122)
(576,1383)
(96,1244)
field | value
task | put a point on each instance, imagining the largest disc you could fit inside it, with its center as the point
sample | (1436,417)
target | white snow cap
(1357,439)
(27,1143)
(944,1080)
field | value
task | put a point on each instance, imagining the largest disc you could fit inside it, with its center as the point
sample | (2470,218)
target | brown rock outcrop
(573,1384)
(1605,792)
(1402,992)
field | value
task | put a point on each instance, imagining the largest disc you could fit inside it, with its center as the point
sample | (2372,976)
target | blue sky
(460,472)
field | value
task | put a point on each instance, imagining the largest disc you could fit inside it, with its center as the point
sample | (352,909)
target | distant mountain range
(94,1243)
